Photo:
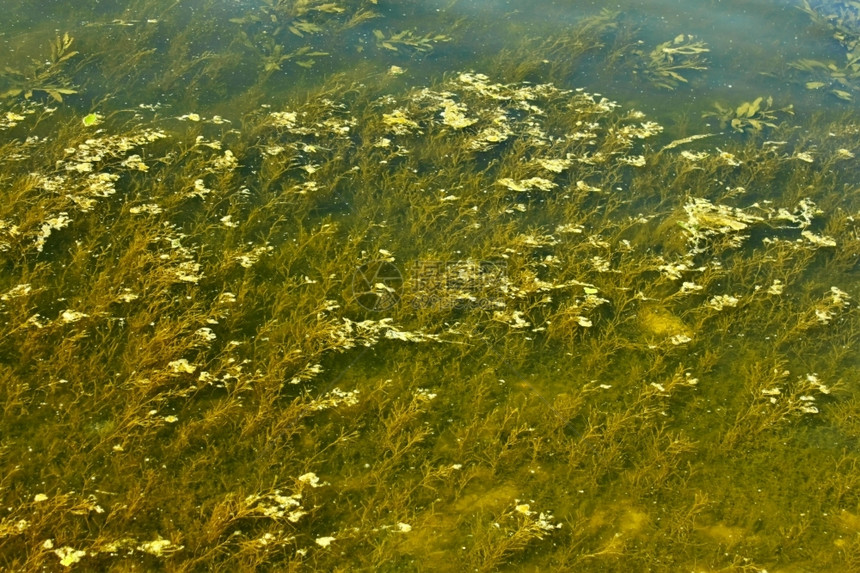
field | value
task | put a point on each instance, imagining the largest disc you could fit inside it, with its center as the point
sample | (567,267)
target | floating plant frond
(840,81)
(664,65)
(750,117)
(409,40)
(47,76)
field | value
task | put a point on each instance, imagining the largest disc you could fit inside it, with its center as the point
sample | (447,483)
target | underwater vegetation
(842,20)
(371,318)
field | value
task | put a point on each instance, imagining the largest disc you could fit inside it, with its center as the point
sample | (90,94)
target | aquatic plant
(48,76)
(373,319)
(752,116)
(665,64)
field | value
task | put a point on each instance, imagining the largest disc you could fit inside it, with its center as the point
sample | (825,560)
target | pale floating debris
(39,497)
(249,259)
(677,142)
(285,119)
(823,316)
(527,184)
(187,272)
(395,71)
(843,153)
(171,419)
(569,228)
(695,157)
(226,162)
(200,189)
(490,136)
(311,479)
(424,395)
(514,318)
(226,298)
(802,216)
(82,167)
(69,316)
(206,334)
(335,398)
(20,290)
(583,186)
(402,527)
(600,264)
(555,165)
(722,301)
(155,547)
(135,162)
(776,288)
(689,287)
(295,515)
(69,555)
(189,116)
(818,240)
(394,334)
(12,116)
(541,524)
(816,383)
(704,219)
(634,160)
(805,156)
(305,187)
(182,366)
(641,131)
(839,297)
(453,115)
(729,158)
(53,224)
(400,123)
(149,208)
(324,541)
(583,322)
(34,321)
(679,339)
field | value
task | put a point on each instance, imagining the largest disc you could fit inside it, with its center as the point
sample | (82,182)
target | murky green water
(429,286)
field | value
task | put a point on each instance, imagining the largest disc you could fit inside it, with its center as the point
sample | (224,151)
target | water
(429,286)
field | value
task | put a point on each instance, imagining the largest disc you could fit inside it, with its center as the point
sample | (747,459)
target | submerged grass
(390,325)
